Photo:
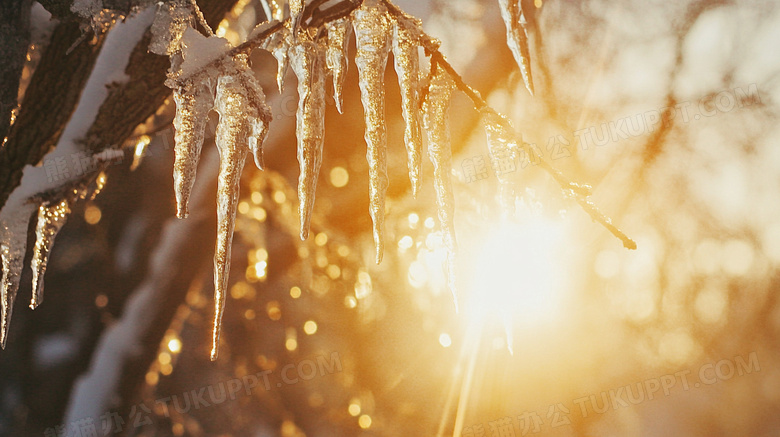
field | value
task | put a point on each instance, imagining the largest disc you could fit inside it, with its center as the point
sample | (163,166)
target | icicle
(308,63)
(193,103)
(339,32)
(407,66)
(258,112)
(436,118)
(372,32)
(278,44)
(503,150)
(51,218)
(517,38)
(170,22)
(234,129)
(296,7)
(13,246)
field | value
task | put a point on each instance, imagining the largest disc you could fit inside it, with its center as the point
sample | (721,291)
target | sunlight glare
(516,275)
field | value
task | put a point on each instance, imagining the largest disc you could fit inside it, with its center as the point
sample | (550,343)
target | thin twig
(333,13)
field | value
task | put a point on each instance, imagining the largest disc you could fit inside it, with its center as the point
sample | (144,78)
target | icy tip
(259,161)
(304,234)
(629,244)
(214,354)
(182,212)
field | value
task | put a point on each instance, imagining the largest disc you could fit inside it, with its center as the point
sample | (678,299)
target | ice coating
(51,218)
(13,246)
(407,66)
(278,44)
(517,38)
(193,100)
(339,32)
(437,126)
(232,130)
(372,35)
(502,145)
(308,63)
(296,7)
(170,22)
(258,112)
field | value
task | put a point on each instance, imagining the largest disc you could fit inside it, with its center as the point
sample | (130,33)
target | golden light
(354,408)
(321,239)
(92,214)
(291,339)
(514,274)
(310,327)
(174,345)
(445,340)
(339,177)
(414,220)
(140,150)
(364,421)
(295,292)
(164,358)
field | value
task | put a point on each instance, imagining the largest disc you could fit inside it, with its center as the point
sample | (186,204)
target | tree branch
(15,34)
(49,102)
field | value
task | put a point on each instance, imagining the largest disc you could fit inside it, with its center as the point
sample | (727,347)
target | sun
(514,275)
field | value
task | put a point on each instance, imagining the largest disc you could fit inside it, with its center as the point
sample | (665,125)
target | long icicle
(193,103)
(13,246)
(407,67)
(308,62)
(233,130)
(372,35)
(339,32)
(51,218)
(436,118)
(517,38)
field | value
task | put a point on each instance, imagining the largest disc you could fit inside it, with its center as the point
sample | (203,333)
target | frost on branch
(372,34)
(339,32)
(517,38)
(51,219)
(407,66)
(170,22)
(308,63)
(437,125)
(193,100)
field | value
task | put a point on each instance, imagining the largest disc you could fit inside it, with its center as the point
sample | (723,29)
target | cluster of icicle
(50,210)
(203,79)
(206,73)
